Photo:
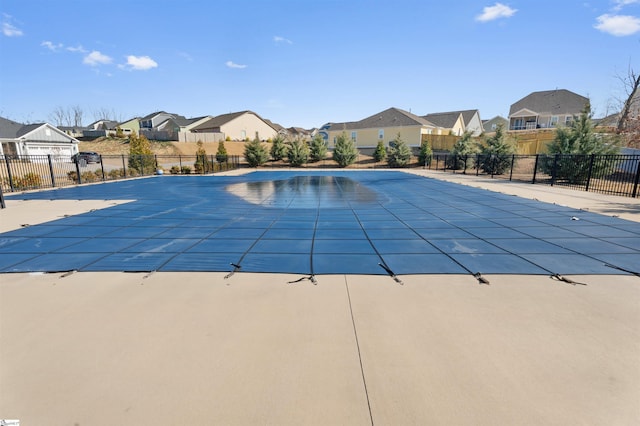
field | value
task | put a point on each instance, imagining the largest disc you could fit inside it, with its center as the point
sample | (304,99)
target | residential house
(238,126)
(383,126)
(457,122)
(19,139)
(546,109)
(127,127)
(492,124)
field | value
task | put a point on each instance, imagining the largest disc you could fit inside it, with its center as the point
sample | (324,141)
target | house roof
(10,129)
(223,119)
(153,114)
(392,117)
(444,119)
(551,102)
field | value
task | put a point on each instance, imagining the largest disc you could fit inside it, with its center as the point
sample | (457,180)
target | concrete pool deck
(195,348)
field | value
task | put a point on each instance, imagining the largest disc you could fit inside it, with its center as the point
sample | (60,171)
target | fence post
(102,167)
(513,160)
(593,156)
(554,169)
(635,184)
(535,170)
(78,170)
(9,174)
(477,164)
(2,203)
(53,176)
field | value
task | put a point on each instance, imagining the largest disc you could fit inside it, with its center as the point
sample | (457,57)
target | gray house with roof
(17,139)
(457,122)
(546,109)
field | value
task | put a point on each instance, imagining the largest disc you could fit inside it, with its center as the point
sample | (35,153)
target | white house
(35,139)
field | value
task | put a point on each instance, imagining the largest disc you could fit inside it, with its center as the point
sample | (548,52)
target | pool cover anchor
(559,277)
(236,268)
(481,279)
(67,273)
(311,278)
(391,273)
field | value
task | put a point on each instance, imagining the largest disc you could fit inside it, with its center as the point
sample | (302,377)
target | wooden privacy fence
(527,143)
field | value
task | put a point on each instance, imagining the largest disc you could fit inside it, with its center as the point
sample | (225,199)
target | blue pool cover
(359,222)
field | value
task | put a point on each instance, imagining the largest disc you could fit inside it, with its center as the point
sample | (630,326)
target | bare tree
(106,114)
(77,115)
(60,116)
(629,119)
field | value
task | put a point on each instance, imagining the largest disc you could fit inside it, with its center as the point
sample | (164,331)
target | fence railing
(19,173)
(607,174)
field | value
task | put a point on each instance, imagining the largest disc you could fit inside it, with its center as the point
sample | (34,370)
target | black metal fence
(607,174)
(20,173)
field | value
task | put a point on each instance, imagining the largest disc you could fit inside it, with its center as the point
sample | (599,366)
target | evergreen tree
(298,153)
(345,152)
(399,153)
(202,163)
(496,153)
(255,153)
(278,148)
(380,154)
(141,158)
(572,146)
(463,153)
(425,155)
(221,153)
(318,149)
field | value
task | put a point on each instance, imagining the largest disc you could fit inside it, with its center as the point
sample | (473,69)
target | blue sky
(307,62)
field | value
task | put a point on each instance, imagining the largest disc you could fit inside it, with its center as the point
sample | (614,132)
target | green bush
(202,163)
(463,153)
(28,181)
(141,157)
(425,154)
(380,154)
(221,154)
(255,153)
(298,153)
(278,148)
(345,152)
(496,153)
(399,153)
(318,149)
(174,170)
(186,170)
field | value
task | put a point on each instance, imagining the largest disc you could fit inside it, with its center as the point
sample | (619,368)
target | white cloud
(186,56)
(140,63)
(622,3)
(279,39)
(618,25)
(232,64)
(76,49)
(51,46)
(96,58)
(497,11)
(11,31)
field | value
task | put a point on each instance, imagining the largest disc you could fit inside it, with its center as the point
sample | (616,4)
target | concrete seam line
(355,332)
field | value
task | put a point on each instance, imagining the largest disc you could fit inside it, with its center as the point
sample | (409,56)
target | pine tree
(318,149)
(202,163)
(278,148)
(463,153)
(345,152)
(298,153)
(380,154)
(425,155)
(399,153)
(221,153)
(496,153)
(141,157)
(255,153)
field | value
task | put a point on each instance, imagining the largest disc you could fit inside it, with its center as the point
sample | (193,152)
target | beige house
(546,109)
(238,126)
(457,122)
(383,126)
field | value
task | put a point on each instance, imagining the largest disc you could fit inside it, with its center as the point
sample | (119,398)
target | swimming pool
(324,222)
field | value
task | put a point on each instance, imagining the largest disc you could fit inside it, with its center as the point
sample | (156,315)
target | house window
(354,135)
(381,134)
(243,134)
(553,121)
(568,120)
(493,126)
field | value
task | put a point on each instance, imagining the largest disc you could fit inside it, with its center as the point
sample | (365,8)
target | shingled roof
(551,102)
(392,117)
(10,129)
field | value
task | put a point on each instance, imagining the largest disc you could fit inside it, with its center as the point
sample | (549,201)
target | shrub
(496,154)
(399,153)
(298,153)
(380,154)
(463,153)
(141,158)
(318,149)
(345,152)
(228,139)
(278,148)
(255,153)
(29,180)
(221,154)
(174,170)
(202,163)
(186,170)
(425,154)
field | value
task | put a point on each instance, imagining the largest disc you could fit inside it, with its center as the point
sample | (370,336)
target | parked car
(87,157)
